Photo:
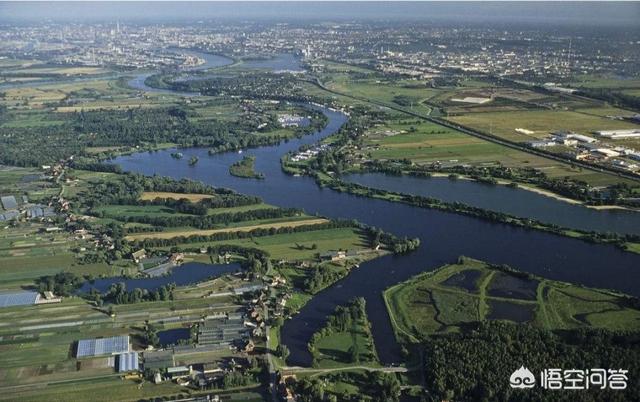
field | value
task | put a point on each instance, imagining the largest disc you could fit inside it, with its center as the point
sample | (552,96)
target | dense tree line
(128,187)
(62,283)
(250,85)
(231,235)
(209,221)
(476,365)
(322,276)
(614,97)
(118,294)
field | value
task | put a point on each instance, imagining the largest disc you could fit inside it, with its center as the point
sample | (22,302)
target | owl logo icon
(522,378)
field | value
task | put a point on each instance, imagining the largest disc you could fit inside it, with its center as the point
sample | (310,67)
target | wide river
(444,236)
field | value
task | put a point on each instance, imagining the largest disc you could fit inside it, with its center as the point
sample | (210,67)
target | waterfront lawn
(335,349)
(352,346)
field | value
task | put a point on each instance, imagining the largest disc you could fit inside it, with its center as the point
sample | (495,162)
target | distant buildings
(472,99)
(619,134)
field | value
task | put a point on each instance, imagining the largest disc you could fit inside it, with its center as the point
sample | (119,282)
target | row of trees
(118,294)
(231,235)
(206,221)
(62,283)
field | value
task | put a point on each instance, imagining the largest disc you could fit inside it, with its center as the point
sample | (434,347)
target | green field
(425,142)
(542,122)
(471,291)
(414,93)
(298,246)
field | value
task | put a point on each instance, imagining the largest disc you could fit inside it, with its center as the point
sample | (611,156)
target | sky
(571,13)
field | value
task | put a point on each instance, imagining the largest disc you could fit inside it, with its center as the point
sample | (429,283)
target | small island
(245,168)
(193,160)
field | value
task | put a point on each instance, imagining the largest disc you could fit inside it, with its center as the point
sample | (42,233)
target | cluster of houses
(289,120)
(592,150)
(309,153)
(218,332)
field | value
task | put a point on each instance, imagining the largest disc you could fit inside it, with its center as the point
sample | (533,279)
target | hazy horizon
(569,13)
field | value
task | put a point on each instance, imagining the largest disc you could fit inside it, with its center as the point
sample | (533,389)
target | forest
(476,365)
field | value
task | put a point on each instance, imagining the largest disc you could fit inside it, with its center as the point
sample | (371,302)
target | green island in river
(245,168)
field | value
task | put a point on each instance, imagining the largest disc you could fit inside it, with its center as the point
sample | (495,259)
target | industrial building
(9,202)
(619,134)
(221,331)
(103,346)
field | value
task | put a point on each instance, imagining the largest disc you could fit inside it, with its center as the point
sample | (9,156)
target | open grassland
(605,111)
(299,246)
(456,295)
(37,96)
(411,94)
(110,388)
(444,145)
(425,142)
(594,81)
(187,233)
(55,70)
(541,122)
(335,349)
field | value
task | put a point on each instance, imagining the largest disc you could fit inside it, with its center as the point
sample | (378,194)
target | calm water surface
(186,274)
(505,199)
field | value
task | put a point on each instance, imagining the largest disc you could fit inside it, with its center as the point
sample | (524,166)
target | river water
(444,236)
(501,198)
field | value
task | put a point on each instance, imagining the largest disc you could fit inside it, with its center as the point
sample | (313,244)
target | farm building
(138,255)
(128,362)
(160,359)
(18,299)
(103,346)
(221,331)
(9,202)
